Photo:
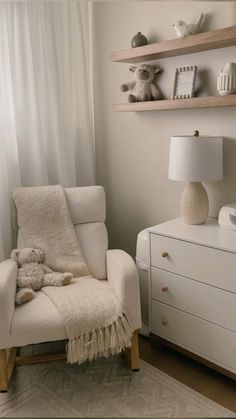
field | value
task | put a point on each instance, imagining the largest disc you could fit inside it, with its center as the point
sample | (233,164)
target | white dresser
(192,291)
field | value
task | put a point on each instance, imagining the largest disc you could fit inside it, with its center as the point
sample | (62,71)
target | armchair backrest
(88,211)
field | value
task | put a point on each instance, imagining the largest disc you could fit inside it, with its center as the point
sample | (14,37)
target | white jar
(226,83)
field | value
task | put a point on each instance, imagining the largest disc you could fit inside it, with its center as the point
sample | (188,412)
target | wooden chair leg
(6,367)
(3,371)
(132,354)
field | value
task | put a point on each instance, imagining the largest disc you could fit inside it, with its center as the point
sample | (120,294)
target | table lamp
(195,159)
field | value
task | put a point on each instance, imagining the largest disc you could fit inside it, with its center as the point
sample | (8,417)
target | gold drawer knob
(164,254)
(164,289)
(164,322)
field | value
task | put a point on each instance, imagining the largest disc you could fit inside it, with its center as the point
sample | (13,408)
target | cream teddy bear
(33,274)
(144,88)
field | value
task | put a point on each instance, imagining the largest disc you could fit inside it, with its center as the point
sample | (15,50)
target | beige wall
(132,148)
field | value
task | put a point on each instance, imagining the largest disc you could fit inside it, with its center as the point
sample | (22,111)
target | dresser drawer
(205,339)
(194,297)
(206,264)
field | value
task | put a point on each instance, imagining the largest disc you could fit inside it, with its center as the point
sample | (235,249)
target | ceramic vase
(139,40)
(226,83)
(231,13)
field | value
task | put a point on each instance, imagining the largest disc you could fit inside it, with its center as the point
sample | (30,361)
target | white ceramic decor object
(226,83)
(231,13)
(183,29)
(227,217)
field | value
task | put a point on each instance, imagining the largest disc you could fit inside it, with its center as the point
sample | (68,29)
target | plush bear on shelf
(144,87)
(33,274)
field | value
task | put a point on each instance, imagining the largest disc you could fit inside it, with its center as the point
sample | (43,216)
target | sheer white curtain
(46,133)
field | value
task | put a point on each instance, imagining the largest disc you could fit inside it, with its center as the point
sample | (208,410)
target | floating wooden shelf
(197,102)
(202,42)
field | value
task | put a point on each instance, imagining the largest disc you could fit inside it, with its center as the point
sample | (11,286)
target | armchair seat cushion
(36,321)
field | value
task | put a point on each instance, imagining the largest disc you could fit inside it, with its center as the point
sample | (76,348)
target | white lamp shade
(196,159)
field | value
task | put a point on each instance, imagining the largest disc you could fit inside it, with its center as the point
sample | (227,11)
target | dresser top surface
(209,234)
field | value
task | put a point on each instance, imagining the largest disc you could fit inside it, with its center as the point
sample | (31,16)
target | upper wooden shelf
(195,43)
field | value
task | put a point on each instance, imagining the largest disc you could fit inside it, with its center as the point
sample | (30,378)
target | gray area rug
(105,387)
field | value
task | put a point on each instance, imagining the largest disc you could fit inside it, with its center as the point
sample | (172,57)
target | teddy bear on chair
(33,274)
(144,87)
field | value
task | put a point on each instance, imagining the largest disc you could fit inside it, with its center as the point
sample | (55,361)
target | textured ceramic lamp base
(194,205)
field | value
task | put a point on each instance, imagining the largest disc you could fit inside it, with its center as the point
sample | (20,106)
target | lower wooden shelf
(197,102)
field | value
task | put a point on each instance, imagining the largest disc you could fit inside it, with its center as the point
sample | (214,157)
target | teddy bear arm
(45,269)
(156,94)
(128,86)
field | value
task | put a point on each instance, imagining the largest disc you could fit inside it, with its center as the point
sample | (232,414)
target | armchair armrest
(123,278)
(8,275)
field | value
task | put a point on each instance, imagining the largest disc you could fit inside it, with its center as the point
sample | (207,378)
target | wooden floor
(200,378)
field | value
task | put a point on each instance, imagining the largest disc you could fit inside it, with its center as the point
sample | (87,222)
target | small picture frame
(184,82)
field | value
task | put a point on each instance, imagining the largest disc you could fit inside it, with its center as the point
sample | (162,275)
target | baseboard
(193,356)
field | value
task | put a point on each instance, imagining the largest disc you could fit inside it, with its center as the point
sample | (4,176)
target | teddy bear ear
(42,255)
(14,254)
(157,70)
(133,68)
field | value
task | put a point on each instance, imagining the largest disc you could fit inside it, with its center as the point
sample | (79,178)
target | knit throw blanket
(45,223)
(95,321)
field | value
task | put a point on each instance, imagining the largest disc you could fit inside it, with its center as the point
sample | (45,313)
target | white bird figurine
(184,29)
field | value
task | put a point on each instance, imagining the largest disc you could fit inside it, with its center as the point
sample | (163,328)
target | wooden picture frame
(184,82)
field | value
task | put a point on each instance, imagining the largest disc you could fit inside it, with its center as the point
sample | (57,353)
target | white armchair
(39,321)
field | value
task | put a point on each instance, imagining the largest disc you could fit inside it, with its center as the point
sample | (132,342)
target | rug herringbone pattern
(105,387)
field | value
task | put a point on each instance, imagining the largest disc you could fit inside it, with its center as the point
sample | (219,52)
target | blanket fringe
(109,340)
